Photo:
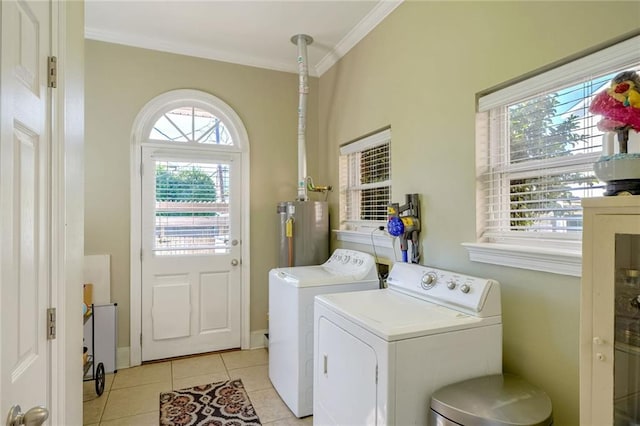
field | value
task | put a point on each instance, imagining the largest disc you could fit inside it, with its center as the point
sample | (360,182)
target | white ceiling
(256,33)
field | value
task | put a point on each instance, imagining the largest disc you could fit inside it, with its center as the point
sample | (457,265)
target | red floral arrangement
(619,105)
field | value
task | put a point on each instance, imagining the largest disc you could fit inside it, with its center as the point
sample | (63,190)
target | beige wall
(419,71)
(119,82)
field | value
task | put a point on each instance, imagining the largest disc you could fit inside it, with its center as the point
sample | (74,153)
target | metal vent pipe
(302,41)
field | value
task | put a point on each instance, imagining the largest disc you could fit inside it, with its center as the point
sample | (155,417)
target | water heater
(303,233)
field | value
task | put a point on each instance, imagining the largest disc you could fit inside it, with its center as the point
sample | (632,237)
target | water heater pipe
(302,41)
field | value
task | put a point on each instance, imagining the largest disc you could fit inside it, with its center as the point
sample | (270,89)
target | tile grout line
(225,366)
(104,407)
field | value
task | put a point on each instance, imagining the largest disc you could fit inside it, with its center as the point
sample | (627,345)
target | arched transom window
(191,125)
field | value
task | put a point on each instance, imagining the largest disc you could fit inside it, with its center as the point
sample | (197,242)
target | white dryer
(291,297)
(380,354)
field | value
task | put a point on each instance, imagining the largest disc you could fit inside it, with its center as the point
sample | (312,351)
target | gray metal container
(309,225)
(498,400)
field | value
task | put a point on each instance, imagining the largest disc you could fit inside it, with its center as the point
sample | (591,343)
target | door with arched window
(191,232)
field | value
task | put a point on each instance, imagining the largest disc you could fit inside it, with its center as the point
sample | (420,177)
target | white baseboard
(122,357)
(257,339)
(122,354)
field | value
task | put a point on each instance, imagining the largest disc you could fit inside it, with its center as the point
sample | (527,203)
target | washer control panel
(349,261)
(443,287)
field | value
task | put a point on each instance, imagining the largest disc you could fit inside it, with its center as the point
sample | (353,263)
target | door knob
(34,417)
(234,262)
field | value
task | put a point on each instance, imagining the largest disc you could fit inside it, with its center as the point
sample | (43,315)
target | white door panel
(171,309)
(190,255)
(215,285)
(24,197)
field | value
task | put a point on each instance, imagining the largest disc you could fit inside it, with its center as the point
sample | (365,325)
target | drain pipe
(302,41)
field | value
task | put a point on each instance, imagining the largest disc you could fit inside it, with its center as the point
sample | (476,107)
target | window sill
(380,238)
(553,260)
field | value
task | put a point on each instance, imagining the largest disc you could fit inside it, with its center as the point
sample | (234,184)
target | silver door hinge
(52,72)
(140,255)
(141,169)
(376,374)
(51,323)
(140,339)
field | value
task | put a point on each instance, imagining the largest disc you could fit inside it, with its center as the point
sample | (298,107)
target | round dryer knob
(451,284)
(465,288)
(429,280)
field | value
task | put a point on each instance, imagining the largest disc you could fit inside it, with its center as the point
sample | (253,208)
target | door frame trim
(67,209)
(141,127)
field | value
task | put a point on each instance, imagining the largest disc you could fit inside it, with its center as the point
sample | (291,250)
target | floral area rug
(215,404)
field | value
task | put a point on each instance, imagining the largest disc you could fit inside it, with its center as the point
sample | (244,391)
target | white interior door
(190,252)
(24,197)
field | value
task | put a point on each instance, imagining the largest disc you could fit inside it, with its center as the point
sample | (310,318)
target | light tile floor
(132,396)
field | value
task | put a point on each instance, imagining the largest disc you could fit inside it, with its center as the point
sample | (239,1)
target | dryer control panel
(471,295)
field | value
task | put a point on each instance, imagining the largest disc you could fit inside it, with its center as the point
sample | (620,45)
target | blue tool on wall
(404,222)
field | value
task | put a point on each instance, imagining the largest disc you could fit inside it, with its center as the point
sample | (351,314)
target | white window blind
(536,144)
(192,208)
(365,181)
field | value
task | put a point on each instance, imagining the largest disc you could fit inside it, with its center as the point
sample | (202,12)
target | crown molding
(364,27)
(186,49)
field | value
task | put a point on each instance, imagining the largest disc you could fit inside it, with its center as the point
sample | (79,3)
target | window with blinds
(536,145)
(192,208)
(365,181)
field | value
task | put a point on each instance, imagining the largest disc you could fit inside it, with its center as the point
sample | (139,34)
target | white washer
(380,354)
(291,296)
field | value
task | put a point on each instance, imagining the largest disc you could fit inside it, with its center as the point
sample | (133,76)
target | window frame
(355,230)
(548,253)
(353,173)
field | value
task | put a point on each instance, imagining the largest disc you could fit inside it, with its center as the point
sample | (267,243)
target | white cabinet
(610,312)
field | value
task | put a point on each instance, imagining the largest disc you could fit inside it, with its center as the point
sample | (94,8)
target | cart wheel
(100,379)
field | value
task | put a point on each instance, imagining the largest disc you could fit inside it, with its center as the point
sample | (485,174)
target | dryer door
(346,382)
